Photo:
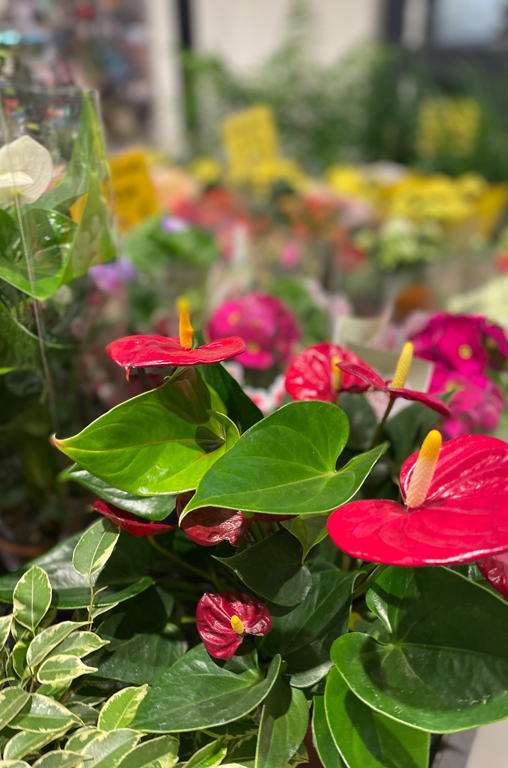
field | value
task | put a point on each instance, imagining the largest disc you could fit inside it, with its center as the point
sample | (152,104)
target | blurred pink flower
(267,327)
(465,344)
(476,406)
(290,255)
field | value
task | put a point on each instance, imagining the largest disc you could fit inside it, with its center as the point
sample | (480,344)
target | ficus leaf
(48,639)
(120,709)
(32,598)
(95,547)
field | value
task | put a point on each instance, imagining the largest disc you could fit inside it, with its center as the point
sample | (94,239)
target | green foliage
(164,441)
(286,464)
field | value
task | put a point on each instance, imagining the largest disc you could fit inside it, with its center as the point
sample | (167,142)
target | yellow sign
(250,139)
(134,192)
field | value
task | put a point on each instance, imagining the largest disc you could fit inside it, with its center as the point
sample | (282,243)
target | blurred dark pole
(186,29)
(394,20)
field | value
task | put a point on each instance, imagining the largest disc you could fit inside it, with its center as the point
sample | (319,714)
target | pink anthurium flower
(395,388)
(160,351)
(130,522)
(315,374)
(495,569)
(454,507)
(225,618)
(210,525)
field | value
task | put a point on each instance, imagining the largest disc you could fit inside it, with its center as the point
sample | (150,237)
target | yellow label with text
(134,192)
(250,139)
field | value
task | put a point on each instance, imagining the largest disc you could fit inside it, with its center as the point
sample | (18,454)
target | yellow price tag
(250,139)
(134,192)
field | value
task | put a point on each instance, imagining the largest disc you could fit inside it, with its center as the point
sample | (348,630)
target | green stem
(379,432)
(177,559)
(256,532)
(371,578)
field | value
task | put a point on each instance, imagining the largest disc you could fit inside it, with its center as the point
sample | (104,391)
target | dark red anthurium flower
(225,618)
(454,507)
(130,522)
(495,569)
(160,351)
(395,388)
(210,525)
(315,374)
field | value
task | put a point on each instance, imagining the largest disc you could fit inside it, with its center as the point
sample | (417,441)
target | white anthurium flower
(26,169)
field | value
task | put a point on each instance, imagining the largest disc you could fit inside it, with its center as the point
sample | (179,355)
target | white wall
(245,32)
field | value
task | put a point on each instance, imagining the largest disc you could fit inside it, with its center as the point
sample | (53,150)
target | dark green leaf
(368,739)
(444,666)
(240,408)
(308,530)
(362,421)
(216,692)
(286,463)
(322,737)
(283,725)
(123,574)
(304,635)
(273,568)
(149,507)
(160,442)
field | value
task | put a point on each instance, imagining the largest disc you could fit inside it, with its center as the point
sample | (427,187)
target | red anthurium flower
(224,619)
(159,351)
(395,388)
(315,374)
(495,569)
(454,507)
(130,522)
(210,525)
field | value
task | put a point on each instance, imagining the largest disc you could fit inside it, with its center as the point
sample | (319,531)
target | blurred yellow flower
(447,126)
(206,170)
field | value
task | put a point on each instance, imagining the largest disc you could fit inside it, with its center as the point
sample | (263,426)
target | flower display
(476,405)
(26,169)
(160,351)
(130,522)
(211,525)
(454,507)
(267,327)
(395,388)
(223,620)
(466,344)
(315,373)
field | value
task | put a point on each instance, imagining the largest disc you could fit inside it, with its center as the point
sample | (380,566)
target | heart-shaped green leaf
(240,408)
(322,737)
(444,665)
(303,635)
(367,739)
(122,576)
(283,725)
(309,531)
(273,568)
(160,442)
(149,507)
(286,463)
(216,692)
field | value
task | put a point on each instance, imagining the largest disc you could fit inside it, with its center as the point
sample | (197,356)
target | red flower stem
(379,432)
(371,578)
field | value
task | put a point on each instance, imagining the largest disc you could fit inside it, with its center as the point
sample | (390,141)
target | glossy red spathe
(374,382)
(160,351)
(464,517)
(130,522)
(495,569)
(213,618)
(210,525)
(309,377)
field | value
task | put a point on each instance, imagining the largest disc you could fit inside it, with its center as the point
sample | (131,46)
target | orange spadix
(186,329)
